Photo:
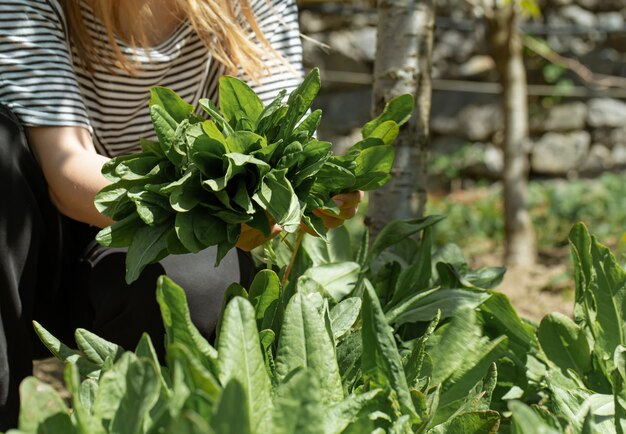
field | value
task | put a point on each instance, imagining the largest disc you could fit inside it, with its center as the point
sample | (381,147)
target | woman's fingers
(249,238)
(348,204)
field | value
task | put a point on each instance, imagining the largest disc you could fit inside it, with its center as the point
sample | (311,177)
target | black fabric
(52,270)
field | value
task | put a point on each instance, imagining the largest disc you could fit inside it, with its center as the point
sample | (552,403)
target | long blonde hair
(215,22)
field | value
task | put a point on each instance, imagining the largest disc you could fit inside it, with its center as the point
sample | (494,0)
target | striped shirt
(41,82)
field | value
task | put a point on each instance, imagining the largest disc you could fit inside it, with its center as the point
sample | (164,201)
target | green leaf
(237,164)
(315,154)
(187,193)
(381,363)
(338,248)
(461,337)
(238,100)
(498,314)
(292,155)
(619,388)
(233,290)
(241,359)
(95,348)
(151,147)
(206,154)
(307,91)
(188,422)
(88,390)
(120,233)
(210,129)
(85,421)
(276,195)
(332,280)
(65,353)
(564,343)
(416,277)
(414,365)
(145,349)
(476,422)
(244,142)
(209,107)
(600,295)
(424,305)
(398,230)
(485,277)
(152,208)
(386,131)
(353,407)
(139,167)
(111,389)
(298,405)
(332,177)
(344,315)
(178,325)
(197,376)
(148,245)
(309,125)
(41,405)
(267,338)
(174,105)
(305,343)
(399,110)
(356,149)
(112,201)
(198,229)
(373,167)
(232,413)
(349,352)
(527,421)
(267,119)
(474,356)
(264,296)
(142,392)
(164,127)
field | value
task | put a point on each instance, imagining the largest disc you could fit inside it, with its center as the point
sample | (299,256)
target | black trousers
(52,270)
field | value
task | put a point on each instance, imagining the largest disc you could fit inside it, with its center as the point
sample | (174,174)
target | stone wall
(570,135)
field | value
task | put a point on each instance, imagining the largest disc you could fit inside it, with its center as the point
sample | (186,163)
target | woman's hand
(249,238)
(72,169)
(348,204)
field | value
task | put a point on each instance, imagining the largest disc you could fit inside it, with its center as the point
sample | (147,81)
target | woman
(74,80)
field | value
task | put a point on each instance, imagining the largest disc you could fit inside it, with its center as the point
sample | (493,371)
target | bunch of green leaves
(248,164)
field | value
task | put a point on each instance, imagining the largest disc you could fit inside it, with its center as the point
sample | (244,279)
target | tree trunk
(506,49)
(403,65)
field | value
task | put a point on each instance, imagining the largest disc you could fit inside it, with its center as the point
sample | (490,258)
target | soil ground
(539,289)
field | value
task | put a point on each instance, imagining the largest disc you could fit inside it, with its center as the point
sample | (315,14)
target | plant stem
(299,236)
(286,241)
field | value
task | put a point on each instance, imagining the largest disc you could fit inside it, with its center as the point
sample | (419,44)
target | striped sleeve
(278,20)
(37,79)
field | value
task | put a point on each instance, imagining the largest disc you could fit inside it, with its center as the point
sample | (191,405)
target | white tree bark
(403,65)
(506,49)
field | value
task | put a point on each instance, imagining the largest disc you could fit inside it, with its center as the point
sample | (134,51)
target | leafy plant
(394,339)
(584,360)
(317,355)
(248,164)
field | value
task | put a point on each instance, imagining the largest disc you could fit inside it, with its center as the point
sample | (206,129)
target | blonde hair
(215,21)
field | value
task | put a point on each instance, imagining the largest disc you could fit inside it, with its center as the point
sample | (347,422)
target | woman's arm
(72,169)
